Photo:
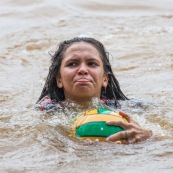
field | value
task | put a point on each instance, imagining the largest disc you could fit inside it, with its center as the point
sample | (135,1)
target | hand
(133,132)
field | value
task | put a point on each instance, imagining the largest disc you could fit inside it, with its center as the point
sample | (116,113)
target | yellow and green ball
(92,124)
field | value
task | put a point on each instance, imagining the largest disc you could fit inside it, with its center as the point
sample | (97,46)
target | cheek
(98,74)
(67,75)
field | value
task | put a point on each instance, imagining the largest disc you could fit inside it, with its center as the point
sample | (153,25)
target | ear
(105,81)
(59,81)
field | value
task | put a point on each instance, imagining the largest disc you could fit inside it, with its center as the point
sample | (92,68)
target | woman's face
(81,73)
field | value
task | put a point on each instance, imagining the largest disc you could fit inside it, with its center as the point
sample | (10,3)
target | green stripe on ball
(103,111)
(99,129)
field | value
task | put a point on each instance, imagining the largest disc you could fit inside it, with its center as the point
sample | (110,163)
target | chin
(84,88)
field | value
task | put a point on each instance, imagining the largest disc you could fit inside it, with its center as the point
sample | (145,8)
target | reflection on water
(139,36)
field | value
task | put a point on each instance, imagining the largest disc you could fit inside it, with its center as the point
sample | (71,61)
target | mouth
(82,80)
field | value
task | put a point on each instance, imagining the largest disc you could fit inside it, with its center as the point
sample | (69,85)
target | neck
(82,102)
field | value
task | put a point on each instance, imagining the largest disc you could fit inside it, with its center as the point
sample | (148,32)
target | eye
(93,64)
(72,64)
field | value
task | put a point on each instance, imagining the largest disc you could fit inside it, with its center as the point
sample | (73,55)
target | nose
(82,70)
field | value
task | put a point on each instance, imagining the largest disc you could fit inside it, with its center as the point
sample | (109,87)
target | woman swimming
(81,71)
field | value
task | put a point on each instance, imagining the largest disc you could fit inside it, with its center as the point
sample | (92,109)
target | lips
(82,80)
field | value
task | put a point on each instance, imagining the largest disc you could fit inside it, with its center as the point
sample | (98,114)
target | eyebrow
(76,59)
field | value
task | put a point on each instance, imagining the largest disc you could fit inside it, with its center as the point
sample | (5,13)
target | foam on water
(139,36)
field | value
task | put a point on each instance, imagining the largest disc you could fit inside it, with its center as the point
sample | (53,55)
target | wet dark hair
(111,92)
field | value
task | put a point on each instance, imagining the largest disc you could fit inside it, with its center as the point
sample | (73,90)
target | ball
(92,124)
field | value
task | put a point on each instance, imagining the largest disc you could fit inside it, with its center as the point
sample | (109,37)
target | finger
(116,142)
(127,117)
(135,140)
(116,137)
(122,124)
(123,114)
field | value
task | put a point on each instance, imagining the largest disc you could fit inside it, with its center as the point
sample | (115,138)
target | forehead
(82,47)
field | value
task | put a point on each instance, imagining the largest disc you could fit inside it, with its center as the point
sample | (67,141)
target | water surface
(139,36)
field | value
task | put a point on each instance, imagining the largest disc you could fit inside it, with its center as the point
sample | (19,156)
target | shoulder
(108,102)
(46,104)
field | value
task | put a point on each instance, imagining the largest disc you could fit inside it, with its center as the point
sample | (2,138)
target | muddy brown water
(139,36)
